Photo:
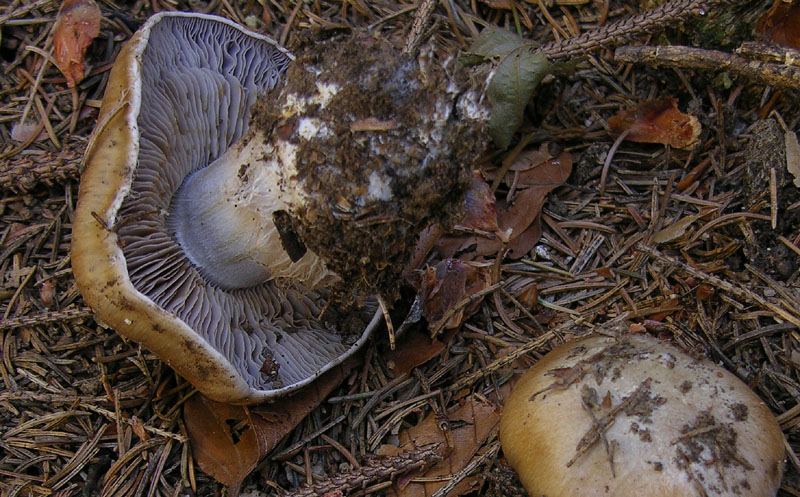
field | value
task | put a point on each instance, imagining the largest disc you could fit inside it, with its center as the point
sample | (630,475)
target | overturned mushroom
(178,99)
(219,204)
(636,417)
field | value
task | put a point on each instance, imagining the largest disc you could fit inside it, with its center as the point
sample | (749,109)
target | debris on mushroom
(635,416)
(224,202)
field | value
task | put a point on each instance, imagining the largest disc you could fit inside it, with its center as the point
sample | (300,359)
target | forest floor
(85,412)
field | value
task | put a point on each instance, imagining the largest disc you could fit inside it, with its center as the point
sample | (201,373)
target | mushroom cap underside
(637,417)
(245,345)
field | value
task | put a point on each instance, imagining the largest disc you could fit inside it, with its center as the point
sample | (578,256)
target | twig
(45,317)
(383,468)
(625,30)
(23,173)
(490,453)
(768,73)
(421,19)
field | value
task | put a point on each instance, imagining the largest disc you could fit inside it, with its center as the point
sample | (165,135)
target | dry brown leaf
(657,121)
(413,349)
(23,132)
(780,25)
(77,24)
(499,4)
(705,291)
(273,421)
(138,428)
(445,286)
(223,443)
(521,215)
(470,426)
(529,296)
(518,218)
(228,441)
(479,211)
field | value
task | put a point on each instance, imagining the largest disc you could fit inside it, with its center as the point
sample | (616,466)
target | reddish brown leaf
(469,427)
(704,291)
(533,175)
(657,121)
(77,24)
(47,292)
(445,286)
(228,441)
(138,428)
(520,216)
(413,349)
(780,25)
(479,212)
(529,296)
(222,441)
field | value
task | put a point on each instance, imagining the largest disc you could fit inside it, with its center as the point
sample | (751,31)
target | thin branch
(626,29)
(377,469)
(768,73)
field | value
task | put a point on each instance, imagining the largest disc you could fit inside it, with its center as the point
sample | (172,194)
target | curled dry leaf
(222,440)
(77,24)
(228,441)
(479,211)
(780,25)
(462,435)
(530,178)
(445,286)
(657,121)
(520,213)
(413,349)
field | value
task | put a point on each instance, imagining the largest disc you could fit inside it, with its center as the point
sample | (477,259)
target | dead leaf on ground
(273,421)
(521,213)
(657,121)
(780,25)
(228,441)
(77,24)
(445,286)
(223,443)
(530,178)
(23,132)
(479,211)
(415,348)
(469,427)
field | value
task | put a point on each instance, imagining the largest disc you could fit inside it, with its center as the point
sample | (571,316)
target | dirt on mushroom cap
(382,152)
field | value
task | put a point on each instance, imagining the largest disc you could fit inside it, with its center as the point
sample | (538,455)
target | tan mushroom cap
(635,416)
(102,267)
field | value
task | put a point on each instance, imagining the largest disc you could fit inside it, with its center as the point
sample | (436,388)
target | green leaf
(512,85)
(494,42)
